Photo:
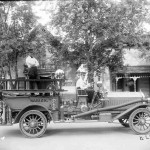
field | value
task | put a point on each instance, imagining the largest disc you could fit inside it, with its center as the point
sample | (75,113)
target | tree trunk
(16,67)
(9,73)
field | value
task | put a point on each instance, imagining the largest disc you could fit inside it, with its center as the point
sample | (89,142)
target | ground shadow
(72,130)
(12,133)
(87,130)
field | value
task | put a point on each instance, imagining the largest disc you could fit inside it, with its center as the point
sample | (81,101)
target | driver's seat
(81,92)
(81,97)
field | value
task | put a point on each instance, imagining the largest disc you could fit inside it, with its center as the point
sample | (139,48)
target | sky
(44,5)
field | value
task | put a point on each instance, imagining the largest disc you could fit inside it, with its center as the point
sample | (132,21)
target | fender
(31,107)
(130,110)
(110,108)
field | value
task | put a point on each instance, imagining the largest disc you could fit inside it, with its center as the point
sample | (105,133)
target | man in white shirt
(32,64)
(31,61)
(83,84)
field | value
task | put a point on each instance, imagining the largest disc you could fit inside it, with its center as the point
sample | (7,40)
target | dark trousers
(33,84)
(90,94)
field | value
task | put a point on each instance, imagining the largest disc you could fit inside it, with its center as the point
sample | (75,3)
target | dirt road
(76,136)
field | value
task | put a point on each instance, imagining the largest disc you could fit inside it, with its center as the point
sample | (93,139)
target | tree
(96,31)
(16,21)
(52,44)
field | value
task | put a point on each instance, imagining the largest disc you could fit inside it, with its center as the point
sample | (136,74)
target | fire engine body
(34,112)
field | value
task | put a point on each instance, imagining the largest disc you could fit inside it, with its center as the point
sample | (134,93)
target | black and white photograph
(75,75)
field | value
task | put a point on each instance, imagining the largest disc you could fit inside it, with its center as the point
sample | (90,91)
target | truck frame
(33,113)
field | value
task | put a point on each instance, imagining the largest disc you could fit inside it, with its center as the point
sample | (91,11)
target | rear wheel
(139,121)
(124,122)
(33,124)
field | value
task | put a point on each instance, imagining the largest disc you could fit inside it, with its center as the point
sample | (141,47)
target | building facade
(135,75)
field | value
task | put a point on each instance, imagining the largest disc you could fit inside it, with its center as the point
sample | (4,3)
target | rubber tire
(131,118)
(43,118)
(125,124)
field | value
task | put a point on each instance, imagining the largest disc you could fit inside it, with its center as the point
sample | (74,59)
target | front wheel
(139,121)
(33,124)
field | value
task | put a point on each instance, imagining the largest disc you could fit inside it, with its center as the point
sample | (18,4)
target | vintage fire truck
(33,113)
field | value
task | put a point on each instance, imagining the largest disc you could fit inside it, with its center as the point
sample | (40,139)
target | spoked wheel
(139,121)
(33,124)
(124,122)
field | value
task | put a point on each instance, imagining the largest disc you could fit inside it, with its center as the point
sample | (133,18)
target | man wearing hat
(82,82)
(32,64)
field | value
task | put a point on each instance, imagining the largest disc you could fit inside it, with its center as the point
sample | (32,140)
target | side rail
(23,85)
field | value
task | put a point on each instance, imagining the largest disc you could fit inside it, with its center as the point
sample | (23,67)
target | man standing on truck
(32,64)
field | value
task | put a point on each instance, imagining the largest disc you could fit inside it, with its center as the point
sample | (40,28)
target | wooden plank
(31,91)
(17,80)
(134,69)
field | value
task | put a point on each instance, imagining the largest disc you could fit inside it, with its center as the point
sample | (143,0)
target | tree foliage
(52,44)
(96,31)
(16,22)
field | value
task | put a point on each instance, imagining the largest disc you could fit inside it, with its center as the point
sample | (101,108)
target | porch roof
(134,70)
